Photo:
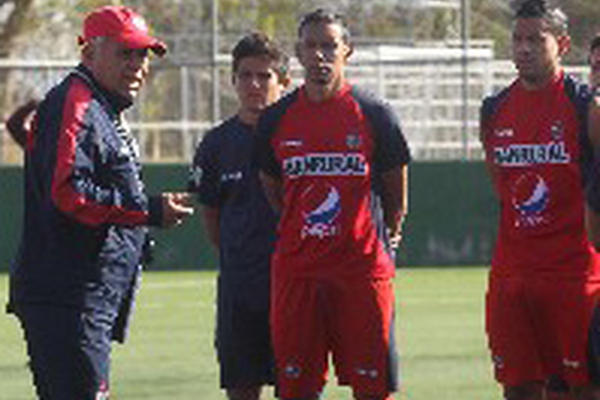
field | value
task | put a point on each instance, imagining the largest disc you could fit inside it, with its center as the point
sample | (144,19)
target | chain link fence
(425,86)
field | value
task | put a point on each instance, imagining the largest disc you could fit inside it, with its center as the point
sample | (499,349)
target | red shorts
(540,328)
(351,319)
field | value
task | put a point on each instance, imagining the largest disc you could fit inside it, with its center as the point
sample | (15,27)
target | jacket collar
(117,102)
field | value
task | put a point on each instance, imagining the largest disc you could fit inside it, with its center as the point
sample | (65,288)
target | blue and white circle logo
(321,207)
(530,197)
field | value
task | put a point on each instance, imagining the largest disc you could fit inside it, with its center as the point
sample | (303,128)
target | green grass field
(170,355)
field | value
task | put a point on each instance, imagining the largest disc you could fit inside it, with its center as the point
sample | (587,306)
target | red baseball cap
(122,25)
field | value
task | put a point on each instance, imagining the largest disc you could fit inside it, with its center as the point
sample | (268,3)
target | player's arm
(273,189)
(484,136)
(592,225)
(204,181)
(395,201)
(270,173)
(77,189)
(211,223)
(18,123)
(592,207)
(594,123)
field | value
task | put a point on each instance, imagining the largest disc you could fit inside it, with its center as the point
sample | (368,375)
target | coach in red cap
(115,45)
(73,281)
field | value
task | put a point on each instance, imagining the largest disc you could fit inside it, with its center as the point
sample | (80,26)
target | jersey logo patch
(232,176)
(504,132)
(353,141)
(291,143)
(557,130)
(326,164)
(531,196)
(292,371)
(321,208)
(196,175)
(518,155)
(571,364)
(367,372)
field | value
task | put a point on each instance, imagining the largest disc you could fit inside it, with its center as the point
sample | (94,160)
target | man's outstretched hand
(19,122)
(176,207)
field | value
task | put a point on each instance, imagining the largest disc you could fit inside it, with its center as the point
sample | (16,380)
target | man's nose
(523,47)
(319,53)
(254,80)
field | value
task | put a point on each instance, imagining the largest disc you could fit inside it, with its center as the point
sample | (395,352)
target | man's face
(536,50)
(119,69)
(323,53)
(257,83)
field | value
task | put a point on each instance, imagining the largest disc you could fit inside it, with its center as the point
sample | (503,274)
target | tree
(16,22)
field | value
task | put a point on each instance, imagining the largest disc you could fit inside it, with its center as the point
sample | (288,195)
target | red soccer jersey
(330,156)
(535,143)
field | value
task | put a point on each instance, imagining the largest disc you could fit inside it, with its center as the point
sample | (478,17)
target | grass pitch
(169,354)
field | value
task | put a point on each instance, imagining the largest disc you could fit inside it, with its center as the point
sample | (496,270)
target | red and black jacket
(85,208)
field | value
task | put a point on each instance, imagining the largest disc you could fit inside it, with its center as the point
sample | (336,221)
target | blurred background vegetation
(48,28)
(190,88)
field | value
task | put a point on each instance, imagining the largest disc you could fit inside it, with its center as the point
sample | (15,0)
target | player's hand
(19,122)
(395,238)
(176,207)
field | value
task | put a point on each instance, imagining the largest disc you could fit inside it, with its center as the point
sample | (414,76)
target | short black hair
(257,44)
(555,18)
(322,15)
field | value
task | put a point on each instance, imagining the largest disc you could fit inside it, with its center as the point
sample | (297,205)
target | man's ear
(87,52)
(285,81)
(349,51)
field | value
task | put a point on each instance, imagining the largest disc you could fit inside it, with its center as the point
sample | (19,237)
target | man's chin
(130,94)
(321,80)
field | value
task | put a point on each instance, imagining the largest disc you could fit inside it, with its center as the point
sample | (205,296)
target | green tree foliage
(17,21)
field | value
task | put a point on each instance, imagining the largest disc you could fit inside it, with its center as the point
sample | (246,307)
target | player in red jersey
(334,162)
(545,274)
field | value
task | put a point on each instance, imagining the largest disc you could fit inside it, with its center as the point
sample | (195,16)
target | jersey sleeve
(485,112)
(81,186)
(581,96)
(391,148)
(204,172)
(592,190)
(265,130)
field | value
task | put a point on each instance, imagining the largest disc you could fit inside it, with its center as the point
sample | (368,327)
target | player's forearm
(17,122)
(395,198)
(273,189)
(592,225)
(594,122)
(211,224)
(488,160)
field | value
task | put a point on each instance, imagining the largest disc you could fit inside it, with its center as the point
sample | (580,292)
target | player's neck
(248,117)
(540,82)
(317,93)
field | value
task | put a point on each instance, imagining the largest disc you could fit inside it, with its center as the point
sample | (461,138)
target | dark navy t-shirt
(224,175)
